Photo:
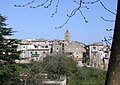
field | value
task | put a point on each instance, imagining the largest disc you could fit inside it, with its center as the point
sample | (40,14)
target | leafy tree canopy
(60,65)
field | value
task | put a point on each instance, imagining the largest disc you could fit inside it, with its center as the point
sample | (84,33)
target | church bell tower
(67,36)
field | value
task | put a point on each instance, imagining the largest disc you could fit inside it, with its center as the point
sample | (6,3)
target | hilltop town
(93,55)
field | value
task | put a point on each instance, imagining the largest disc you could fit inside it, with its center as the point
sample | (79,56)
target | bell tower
(67,36)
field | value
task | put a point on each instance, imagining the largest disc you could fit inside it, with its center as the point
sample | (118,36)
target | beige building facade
(34,49)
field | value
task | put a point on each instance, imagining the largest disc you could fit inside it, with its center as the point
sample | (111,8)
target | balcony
(35,55)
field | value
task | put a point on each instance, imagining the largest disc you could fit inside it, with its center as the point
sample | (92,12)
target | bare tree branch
(109,29)
(85,7)
(106,8)
(47,6)
(25,4)
(56,8)
(111,37)
(73,12)
(76,2)
(80,3)
(91,2)
(43,4)
(39,5)
(83,16)
(63,23)
(108,20)
(76,9)
(107,41)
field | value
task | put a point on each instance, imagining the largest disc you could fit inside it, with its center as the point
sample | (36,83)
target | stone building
(58,46)
(99,55)
(72,48)
(75,48)
(67,36)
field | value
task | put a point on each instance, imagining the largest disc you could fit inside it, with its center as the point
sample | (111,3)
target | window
(46,46)
(43,52)
(77,57)
(35,52)
(35,46)
(76,52)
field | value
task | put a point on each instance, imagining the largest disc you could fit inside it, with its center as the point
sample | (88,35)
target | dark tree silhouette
(8,54)
(113,73)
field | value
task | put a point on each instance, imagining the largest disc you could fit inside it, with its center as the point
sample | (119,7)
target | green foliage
(59,65)
(8,46)
(30,68)
(8,54)
(63,65)
(33,71)
(88,76)
(9,75)
(72,66)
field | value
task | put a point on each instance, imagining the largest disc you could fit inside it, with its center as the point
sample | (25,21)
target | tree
(8,54)
(91,76)
(8,46)
(31,73)
(113,73)
(59,65)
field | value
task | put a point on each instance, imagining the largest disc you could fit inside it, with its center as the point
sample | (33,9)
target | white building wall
(28,48)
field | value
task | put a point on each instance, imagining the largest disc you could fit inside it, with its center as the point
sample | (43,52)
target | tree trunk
(113,73)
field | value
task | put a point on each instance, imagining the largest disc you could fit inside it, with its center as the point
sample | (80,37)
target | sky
(38,23)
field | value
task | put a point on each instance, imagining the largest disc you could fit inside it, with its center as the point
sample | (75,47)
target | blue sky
(37,23)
